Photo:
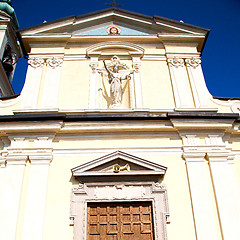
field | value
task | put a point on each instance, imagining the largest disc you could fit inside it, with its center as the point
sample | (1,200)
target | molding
(154,57)
(16,159)
(197,125)
(202,115)
(132,150)
(218,156)
(99,46)
(115,126)
(197,110)
(194,156)
(234,104)
(182,55)
(147,167)
(31,127)
(75,57)
(10,102)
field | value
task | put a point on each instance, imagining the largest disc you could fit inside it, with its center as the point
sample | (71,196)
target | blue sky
(220,58)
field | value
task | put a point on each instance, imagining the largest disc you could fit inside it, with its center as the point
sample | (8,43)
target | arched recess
(104,51)
(131,47)
(116,181)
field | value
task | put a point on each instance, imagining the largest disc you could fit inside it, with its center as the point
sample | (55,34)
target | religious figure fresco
(113,30)
(117,72)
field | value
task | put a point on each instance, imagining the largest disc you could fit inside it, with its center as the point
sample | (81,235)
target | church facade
(115,135)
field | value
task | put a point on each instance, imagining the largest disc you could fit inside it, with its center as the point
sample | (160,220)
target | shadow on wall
(19,75)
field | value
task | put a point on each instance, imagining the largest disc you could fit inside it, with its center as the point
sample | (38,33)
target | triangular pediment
(118,163)
(130,23)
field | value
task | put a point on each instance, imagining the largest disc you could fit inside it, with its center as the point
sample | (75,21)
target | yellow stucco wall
(156,85)
(74,85)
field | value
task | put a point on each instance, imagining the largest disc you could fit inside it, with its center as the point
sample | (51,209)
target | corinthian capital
(175,62)
(54,62)
(35,62)
(192,62)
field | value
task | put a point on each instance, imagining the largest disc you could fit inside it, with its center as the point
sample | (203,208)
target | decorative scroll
(193,62)
(35,62)
(94,66)
(159,187)
(3,163)
(176,62)
(136,67)
(78,188)
(54,62)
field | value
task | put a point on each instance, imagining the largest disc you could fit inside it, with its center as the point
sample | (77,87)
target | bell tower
(10,49)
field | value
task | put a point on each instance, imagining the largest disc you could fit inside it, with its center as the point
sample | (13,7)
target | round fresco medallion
(113,30)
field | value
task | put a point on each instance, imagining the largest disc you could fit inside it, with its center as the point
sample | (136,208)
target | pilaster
(23,202)
(52,82)
(226,192)
(93,88)
(201,191)
(137,83)
(36,198)
(181,89)
(197,81)
(31,88)
(11,179)
(38,150)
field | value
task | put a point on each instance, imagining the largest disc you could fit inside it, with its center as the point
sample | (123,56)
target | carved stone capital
(159,187)
(35,62)
(94,66)
(54,62)
(136,67)
(175,62)
(3,163)
(193,62)
(78,188)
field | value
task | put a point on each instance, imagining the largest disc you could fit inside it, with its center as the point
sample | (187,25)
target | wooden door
(120,221)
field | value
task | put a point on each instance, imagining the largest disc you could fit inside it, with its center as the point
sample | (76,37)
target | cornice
(126,115)
(30,126)
(203,115)
(160,36)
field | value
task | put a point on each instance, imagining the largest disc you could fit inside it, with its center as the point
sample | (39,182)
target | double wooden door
(119,221)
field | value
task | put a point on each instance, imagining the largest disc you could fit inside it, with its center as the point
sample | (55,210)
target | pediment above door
(118,164)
